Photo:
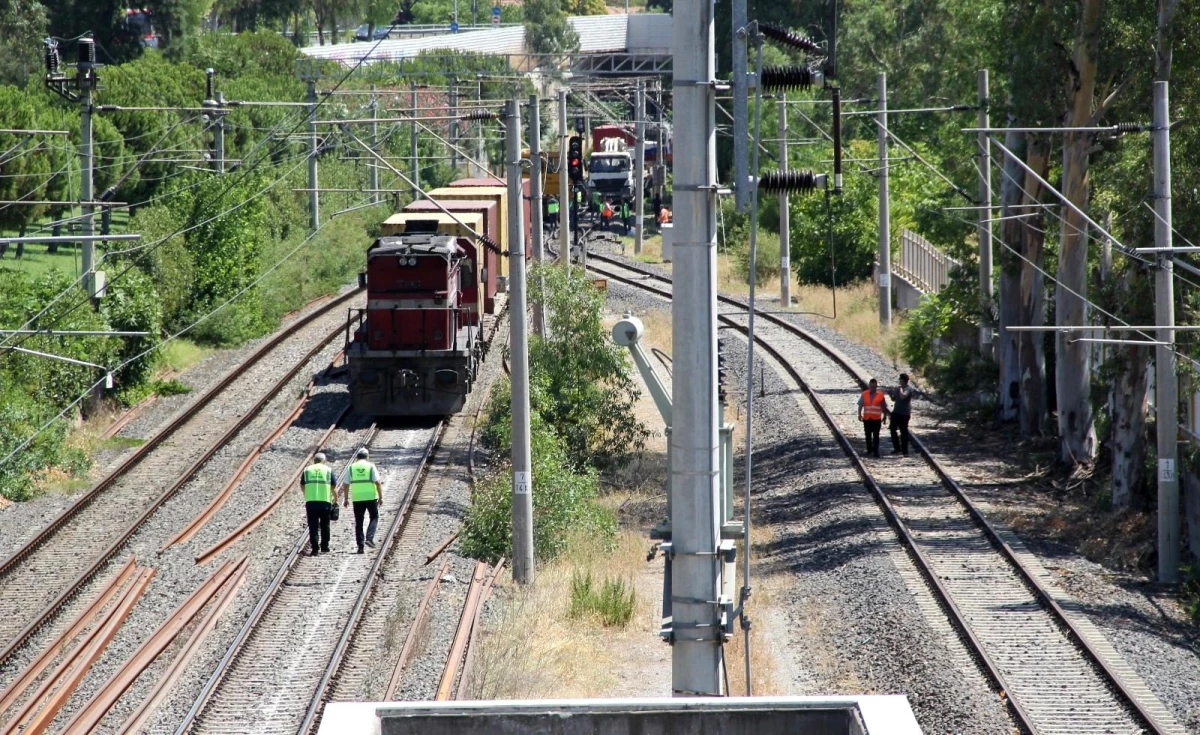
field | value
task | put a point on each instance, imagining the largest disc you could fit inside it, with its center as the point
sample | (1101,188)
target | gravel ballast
(1144,623)
(850,613)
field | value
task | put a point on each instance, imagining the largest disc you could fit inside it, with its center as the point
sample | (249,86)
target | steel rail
(164,433)
(243,635)
(1114,680)
(45,534)
(399,523)
(410,640)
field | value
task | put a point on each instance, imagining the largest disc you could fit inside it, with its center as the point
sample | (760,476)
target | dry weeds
(532,650)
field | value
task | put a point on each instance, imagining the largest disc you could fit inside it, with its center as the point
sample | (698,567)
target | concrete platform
(864,715)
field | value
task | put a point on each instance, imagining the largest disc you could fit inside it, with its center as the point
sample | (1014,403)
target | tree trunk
(1010,282)
(1129,401)
(56,231)
(1073,379)
(1033,294)
(333,26)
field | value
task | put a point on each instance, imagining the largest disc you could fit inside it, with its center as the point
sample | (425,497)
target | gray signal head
(628,331)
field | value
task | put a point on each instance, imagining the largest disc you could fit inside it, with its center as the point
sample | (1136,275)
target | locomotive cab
(414,348)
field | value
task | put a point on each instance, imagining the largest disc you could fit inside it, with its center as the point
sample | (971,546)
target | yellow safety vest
(361,485)
(318,483)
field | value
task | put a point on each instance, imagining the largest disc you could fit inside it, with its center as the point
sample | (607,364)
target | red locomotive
(431,278)
(416,346)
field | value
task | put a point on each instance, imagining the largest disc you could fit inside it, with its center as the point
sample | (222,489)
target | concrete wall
(834,715)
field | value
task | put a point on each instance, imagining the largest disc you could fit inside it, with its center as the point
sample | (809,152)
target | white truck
(610,170)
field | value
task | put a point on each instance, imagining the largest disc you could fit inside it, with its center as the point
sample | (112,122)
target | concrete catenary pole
(219,134)
(639,169)
(213,103)
(453,125)
(86,74)
(741,108)
(314,197)
(785,232)
(564,183)
(1166,387)
(535,203)
(373,166)
(522,482)
(412,143)
(885,214)
(696,656)
(986,292)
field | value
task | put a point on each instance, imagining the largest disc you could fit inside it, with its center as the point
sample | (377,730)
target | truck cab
(610,170)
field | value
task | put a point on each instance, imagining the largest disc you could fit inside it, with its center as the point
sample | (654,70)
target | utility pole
(639,167)
(522,461)
(785,232)
(885,215)
(986,292)
(314,197)
(373,170)
(453,122)
(535,204)
(565,205)
(695,631)
(741,108)
(86,76)
(1166,398)
(214,102)
(412,142)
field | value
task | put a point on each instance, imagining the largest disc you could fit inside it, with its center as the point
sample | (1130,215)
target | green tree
(546,28)
(23,25)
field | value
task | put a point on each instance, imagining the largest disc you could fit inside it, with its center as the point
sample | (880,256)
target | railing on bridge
(922,264)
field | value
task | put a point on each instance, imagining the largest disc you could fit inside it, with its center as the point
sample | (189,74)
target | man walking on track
(317,483)
(366,492)
(872,411)
(901,413)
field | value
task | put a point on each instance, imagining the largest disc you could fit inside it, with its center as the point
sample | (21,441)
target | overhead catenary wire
(158,346)
(242,173)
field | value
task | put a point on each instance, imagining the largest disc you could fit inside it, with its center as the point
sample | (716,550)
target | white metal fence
(922,264)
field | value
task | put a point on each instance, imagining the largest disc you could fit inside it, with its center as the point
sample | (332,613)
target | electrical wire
(243,172)
(21,447)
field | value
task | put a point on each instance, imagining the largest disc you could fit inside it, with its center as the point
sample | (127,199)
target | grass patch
(120,443)
(36,261)
(612,601)
(512,665)
(180,354)
(172,387)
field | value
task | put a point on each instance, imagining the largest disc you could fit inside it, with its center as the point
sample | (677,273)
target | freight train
(437,270)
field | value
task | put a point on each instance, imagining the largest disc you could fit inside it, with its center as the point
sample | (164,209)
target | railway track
(1055,671)
(288,654)
(42,576)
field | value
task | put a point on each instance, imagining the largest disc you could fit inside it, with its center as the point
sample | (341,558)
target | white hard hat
(363,453)
(320,457)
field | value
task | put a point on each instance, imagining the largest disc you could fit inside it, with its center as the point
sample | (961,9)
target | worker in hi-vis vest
(362,486)
(873,412)
(317,483)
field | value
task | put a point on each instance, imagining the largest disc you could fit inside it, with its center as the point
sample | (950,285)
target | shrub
(563,495)
(21,414)
(766,262)
(612,602)
(589,393)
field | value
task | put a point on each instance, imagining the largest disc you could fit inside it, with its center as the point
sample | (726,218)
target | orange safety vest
(872,407)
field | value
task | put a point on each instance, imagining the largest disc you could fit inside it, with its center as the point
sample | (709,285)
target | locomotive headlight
(412,261)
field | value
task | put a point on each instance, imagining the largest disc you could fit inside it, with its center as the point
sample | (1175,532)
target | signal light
(575,159)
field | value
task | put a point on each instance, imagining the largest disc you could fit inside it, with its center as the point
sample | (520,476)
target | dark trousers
(900,433)
(361,508)
(872,427)
(318,519)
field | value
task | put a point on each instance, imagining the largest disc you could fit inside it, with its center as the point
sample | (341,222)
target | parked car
(381,32)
